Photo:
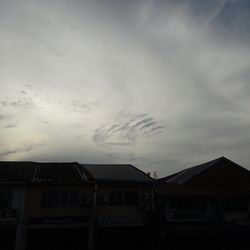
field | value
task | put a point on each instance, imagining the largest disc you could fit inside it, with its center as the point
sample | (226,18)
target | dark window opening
(6,198)
(123,198)
(235,205)
(56,198)
(116,198)
(130,198)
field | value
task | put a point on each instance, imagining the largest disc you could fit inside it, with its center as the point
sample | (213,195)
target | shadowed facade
(211,200)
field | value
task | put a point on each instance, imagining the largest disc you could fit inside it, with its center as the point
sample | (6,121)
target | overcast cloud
(160,84)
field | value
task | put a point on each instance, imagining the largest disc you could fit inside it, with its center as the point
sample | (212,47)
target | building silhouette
(71,206)
(211,200)
(81,206)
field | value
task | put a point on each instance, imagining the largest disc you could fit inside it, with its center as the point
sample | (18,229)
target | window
(64,198)
(6,198)
(130,198)
(100,199)
(73,199)
(44,199)
(235,205)
(123,198)
(186,204)
(57,198)
(240,205)
(116,198)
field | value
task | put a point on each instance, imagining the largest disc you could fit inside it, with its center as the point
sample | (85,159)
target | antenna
(155,175)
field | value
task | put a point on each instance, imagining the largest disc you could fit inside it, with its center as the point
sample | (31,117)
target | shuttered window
(58,198)
(123,198)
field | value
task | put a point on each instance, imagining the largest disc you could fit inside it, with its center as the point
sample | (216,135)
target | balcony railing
(189,215)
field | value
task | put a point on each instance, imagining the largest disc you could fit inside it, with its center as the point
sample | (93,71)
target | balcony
(190,215)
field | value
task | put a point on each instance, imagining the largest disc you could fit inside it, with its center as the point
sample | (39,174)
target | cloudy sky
(161,84)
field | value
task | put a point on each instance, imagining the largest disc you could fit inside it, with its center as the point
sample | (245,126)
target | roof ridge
(82,175)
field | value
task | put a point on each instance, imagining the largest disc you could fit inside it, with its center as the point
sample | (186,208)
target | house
(71,206)
(58,206)
(124,200)
(44,205)
(83,206)
(211,199)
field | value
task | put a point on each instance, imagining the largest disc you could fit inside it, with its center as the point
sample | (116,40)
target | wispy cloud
(73,65)
(27,147)
(19,101)
(83,107)
(2,117)
(125,133)
(10,126)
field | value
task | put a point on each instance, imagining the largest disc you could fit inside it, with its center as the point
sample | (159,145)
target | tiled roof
(71,172)
(58,172)
(16,171)
(117,172)
(34,172)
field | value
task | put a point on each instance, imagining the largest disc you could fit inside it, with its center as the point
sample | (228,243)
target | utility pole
(92,218)
(21,229)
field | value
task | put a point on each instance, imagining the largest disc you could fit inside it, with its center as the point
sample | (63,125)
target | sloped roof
(59,172)
(34,172)
(16,171)
(117,172)
(70,172)
(186,175)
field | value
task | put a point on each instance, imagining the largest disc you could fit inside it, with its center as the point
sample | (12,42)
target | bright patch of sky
(162,84)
